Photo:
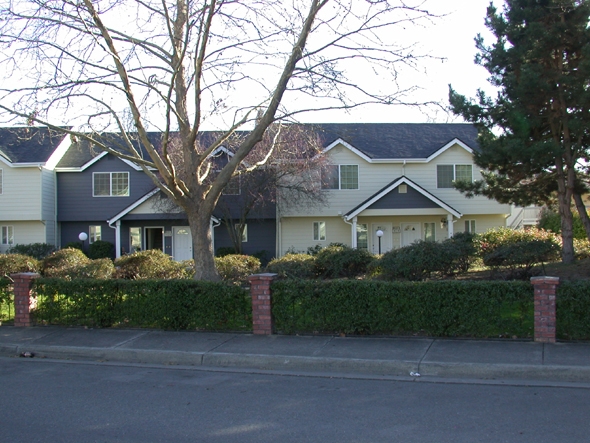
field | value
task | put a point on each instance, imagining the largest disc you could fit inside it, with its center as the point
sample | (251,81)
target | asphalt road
(48,401)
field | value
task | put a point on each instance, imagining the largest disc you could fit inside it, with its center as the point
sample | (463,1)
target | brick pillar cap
(26,274)
(267,276)
(545,279)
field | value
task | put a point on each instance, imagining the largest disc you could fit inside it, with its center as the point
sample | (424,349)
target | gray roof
(375,140)
(29,144)
(398,140)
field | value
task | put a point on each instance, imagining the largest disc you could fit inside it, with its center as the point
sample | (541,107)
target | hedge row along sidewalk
(444,308)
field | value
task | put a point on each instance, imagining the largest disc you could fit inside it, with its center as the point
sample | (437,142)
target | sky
(450,37)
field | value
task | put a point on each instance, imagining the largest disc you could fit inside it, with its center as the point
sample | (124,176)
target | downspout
(353,230)
(117,229)
(450,226)
(212,227)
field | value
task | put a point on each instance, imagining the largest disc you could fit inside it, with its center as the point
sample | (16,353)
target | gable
(411,199)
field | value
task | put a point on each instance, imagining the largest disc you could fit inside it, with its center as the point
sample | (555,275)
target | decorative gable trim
(348,146)
(132,206)
(390,187)
(449,145)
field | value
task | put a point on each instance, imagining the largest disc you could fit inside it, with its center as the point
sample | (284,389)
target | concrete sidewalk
(502,360)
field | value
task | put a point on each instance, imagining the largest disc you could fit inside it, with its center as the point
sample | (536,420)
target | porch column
(450,225)
(354,243)
(118,239)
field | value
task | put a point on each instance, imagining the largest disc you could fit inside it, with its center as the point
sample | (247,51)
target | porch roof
(379,200)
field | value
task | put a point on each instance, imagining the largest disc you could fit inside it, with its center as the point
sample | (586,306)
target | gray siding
(75,200)
(261,237)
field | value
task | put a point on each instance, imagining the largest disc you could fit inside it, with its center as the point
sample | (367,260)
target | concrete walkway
(406,358)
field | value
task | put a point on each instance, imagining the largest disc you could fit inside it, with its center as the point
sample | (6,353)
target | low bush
(292,266)
(573,310)
(74,245)
(425,259)
(101,249)
(170,304)
(551,221)
(150,264)
(64,263)
(582,248)
(15,263)
(337,261)
(520,257)
(437,308)
(489,241)
(236,268)
(36,250)
(225,250)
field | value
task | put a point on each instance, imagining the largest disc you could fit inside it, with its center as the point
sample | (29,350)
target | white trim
(394,185)
(132,206)
(58,153)
(428,159)
(111,184)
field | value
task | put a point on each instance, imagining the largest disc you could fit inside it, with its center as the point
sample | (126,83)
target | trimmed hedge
(36,250)
(442,309)
(337,261)
(170,304)
(16,263)
(150,264)
(573,310)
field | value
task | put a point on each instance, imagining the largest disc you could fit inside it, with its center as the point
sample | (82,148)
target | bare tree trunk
(583,213)
(200,225)
(564,198)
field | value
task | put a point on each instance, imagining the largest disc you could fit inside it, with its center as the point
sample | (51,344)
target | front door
(386,246)
(410,233)
(183,243)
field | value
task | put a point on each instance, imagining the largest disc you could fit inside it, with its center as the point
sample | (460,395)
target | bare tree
(173,65)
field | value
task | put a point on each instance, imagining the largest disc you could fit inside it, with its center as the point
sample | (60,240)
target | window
(362,237)
(340,177)
(134,239)
(0,181)
(429,230)
(447,174)
(7,235)
(319,231)
(232,187)
(94,234)
(244,232)
(110,184)
(470,226)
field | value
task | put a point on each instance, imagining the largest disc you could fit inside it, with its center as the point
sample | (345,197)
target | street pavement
(408,358)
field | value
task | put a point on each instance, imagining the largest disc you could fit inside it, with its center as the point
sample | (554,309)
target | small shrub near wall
(36,250)
(337,261)
(293,266)
(573,310)
(444,308)
(15,263)
(101,249)
(237,268)
(150,264)
(169,304)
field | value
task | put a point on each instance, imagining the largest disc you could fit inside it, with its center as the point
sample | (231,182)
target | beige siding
(297,233)
(25,232)
(21,196)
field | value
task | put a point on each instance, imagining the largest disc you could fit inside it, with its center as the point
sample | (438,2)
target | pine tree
(534,133)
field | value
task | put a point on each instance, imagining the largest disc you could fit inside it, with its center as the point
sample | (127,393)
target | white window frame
(131,250)
(470,226)
(7,235)
(94,234)
(110,174)
(318,226)
(454,166)
(433,226)
(340,178)
(362,228)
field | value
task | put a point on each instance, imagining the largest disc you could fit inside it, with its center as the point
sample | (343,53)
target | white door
(183,243)
(410,233)
(385,238)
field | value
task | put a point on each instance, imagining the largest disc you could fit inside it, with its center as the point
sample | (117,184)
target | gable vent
(403,189)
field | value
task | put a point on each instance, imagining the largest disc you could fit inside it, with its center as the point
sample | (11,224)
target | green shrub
(15,263)
(435,308)
(337,261)
(36,250)
(101,249)
(64,263)
(292,266)
(150,264)
(582,248)
(551,221)
(168,304)
(99,269)
(573,310)
(236,268)
(489,241)
(520,257)
(425,259)
(74,245)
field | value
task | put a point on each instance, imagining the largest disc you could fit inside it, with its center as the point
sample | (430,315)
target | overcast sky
(451,37)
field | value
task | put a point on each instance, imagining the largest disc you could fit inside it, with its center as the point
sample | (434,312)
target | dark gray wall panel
(410,200)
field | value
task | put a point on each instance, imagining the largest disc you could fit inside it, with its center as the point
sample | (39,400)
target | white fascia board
(135,165)
(395,185)
(449,145)
(93,161)
(132,206)
(349,147)
(221,149)
(58,153)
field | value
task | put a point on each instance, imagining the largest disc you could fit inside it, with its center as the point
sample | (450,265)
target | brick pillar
(23,303)
(545,290)
(262,321)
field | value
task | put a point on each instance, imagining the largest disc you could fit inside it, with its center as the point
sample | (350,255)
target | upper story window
(340,177)
(447,174)
(110,184)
